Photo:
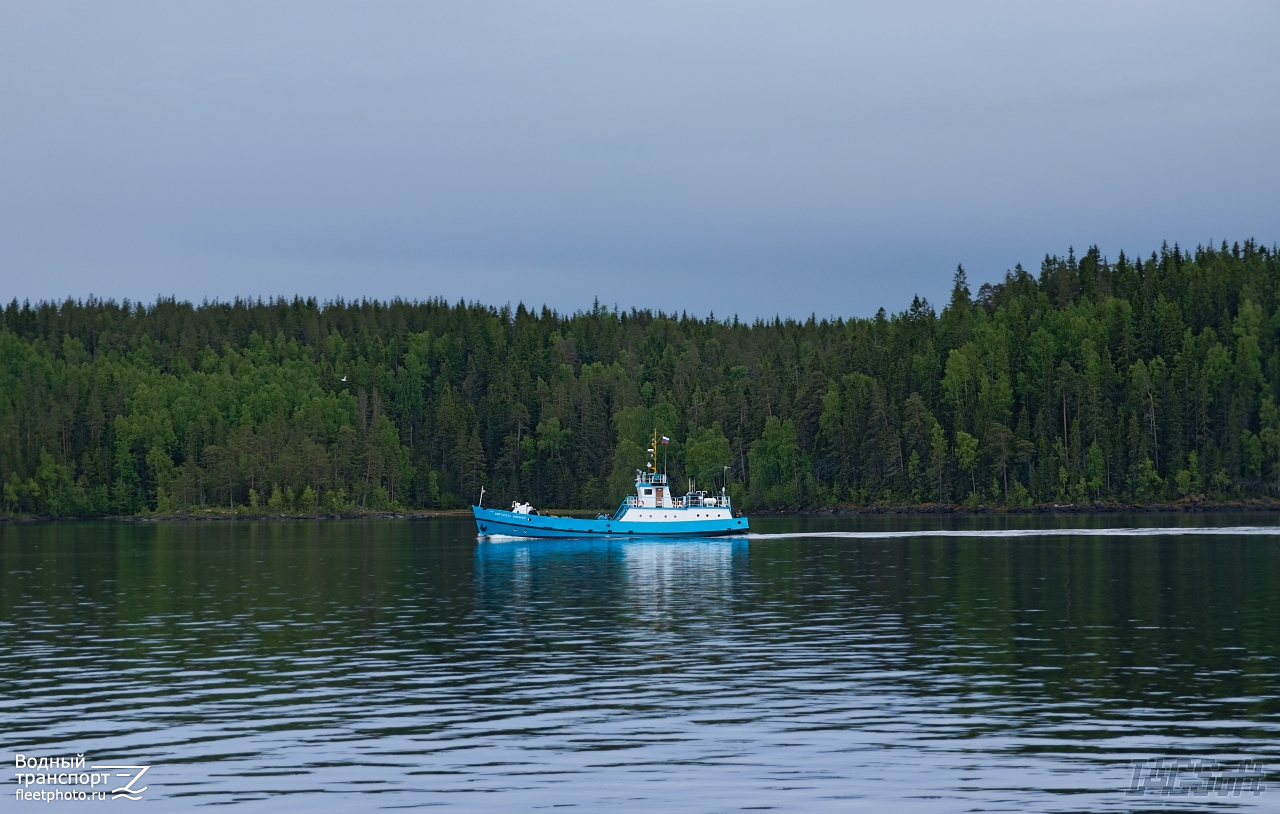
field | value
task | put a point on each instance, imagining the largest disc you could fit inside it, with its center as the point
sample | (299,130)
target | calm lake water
(905,664)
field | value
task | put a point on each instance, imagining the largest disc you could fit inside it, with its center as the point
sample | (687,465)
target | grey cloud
(748,157)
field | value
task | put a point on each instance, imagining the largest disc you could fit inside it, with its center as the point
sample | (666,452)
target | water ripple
(399,664)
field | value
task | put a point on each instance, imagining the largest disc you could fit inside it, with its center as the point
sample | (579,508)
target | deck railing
(699,499)
(688,501)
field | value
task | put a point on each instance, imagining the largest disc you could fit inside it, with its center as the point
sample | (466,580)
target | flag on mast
(666,440)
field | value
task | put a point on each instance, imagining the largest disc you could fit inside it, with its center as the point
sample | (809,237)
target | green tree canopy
(1095,379)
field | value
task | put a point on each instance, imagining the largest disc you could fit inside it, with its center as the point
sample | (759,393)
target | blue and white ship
(651,511)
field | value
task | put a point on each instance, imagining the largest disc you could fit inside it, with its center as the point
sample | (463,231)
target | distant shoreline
(1097,508)
(1100,508)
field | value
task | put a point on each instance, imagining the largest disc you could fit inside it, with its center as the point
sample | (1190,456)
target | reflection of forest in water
(1187,625)
(1173,621)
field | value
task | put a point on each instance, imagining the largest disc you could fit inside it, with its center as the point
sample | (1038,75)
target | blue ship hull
(511,524)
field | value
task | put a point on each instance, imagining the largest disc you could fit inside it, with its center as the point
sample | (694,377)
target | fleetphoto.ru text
(50,779)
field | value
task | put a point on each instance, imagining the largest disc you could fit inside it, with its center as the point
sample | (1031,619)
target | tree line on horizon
(1133,380)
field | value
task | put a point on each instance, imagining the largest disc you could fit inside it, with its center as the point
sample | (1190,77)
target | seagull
(344,378)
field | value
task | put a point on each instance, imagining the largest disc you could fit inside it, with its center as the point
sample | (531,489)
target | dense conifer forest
(1133,380)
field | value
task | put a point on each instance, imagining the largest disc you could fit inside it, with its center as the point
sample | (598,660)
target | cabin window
(648,491)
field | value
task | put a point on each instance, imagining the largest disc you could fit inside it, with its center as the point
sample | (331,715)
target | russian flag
(666,440)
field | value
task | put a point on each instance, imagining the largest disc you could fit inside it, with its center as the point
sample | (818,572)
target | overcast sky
(758,158)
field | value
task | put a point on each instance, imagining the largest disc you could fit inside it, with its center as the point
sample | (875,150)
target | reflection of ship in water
(660,575)
(653,575)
